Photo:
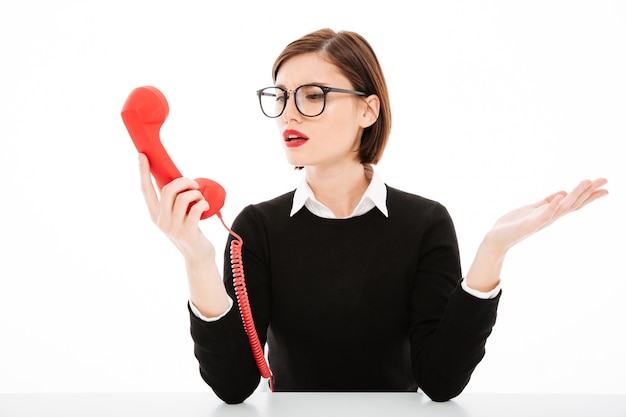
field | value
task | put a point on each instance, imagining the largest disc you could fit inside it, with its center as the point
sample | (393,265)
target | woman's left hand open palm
(525,221)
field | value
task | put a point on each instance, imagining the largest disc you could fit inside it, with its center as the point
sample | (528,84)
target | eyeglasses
(310,99)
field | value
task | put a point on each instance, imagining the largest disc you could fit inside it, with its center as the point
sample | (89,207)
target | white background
(496,104)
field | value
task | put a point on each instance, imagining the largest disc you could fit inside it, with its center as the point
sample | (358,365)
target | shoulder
(277,206)
(267,211)
(421,216)
(403,203)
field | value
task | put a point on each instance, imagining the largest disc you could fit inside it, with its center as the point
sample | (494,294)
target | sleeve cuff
(199,315)
(480,294)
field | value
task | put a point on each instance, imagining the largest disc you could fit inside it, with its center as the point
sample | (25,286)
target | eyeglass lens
(309,100)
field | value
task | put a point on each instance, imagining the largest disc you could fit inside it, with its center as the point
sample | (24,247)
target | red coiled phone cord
(244,305)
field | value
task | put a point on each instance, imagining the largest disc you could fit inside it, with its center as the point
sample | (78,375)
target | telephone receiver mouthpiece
(144,112)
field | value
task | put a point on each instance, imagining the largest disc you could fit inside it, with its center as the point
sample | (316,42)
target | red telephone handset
(143,114)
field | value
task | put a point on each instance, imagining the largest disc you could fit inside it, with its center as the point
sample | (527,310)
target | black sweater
(368,303)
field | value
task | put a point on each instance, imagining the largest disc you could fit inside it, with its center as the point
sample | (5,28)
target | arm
(449,326)
(221,346)
(517,225)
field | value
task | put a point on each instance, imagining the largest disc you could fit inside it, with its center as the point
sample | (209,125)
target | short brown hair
(356,60)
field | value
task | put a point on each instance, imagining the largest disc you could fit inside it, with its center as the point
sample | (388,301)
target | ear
(371,111)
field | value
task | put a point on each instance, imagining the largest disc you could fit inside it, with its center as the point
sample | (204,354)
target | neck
(339,188)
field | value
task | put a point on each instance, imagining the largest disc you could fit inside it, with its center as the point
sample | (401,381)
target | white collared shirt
(375,196)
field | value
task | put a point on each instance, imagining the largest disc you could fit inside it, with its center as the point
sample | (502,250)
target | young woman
(354,285)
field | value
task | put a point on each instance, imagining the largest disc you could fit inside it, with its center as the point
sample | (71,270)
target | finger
(594,196)
(549,199)
(196,210)
(600,182)
(570,201)
(183,205)
(592,193)
(171,191)
(189,207)
(555,201)
(147,188)
(583,191)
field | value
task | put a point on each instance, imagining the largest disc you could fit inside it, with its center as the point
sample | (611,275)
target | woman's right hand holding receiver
(177,214)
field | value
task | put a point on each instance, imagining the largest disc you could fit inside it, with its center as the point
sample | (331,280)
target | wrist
(198,264)
(493,245)
(484,274)
(206,287)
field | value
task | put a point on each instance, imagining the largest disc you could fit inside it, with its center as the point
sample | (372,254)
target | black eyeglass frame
(286,94)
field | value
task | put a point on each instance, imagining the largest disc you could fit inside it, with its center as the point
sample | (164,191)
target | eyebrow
(320,83)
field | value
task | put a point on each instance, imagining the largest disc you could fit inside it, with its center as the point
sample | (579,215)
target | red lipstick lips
(293,138)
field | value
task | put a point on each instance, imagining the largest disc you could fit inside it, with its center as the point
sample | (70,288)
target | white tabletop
(311,404)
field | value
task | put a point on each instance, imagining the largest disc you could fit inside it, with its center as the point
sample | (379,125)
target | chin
(296,162)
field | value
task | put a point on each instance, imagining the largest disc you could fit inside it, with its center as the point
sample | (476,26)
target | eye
(313,97)
(273,94)
(312,93)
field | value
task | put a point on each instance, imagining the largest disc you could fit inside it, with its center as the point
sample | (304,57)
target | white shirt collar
(375,196)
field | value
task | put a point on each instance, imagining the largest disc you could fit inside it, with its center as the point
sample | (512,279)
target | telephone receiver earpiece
(143,113)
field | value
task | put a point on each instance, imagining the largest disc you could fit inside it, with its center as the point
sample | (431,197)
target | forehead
(309,69)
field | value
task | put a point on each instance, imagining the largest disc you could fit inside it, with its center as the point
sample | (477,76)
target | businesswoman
(354,285)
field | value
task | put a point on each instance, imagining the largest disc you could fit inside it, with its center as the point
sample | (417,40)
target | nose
(291,111)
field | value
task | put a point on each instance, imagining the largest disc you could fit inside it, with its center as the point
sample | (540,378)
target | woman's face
(333,137)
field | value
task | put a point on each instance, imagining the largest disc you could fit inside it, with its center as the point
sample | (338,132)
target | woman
(354,285)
